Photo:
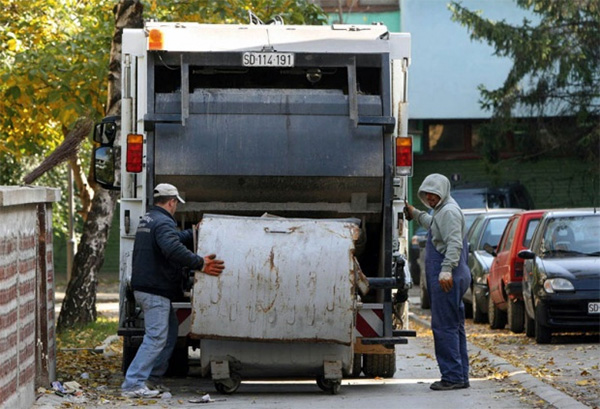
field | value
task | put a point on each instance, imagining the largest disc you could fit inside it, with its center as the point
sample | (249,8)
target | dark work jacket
(160,253)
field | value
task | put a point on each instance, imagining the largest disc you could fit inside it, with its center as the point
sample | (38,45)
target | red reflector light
(404,156)
(135,153)
(155,39)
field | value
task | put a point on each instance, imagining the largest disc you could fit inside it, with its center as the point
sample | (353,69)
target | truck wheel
(329,385)
(496,317)
(479,316)
(543,335)
(356,366)
(179,363)
(516,316)
(424,295)
(379,365)
(128,355)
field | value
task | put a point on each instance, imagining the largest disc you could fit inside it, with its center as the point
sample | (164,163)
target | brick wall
(27,345)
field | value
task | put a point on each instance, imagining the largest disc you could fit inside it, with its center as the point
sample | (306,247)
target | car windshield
(574,235)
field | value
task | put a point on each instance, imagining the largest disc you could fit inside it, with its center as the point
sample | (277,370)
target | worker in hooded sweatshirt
(448,278)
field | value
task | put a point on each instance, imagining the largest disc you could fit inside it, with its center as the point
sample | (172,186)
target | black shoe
(466,385)
(446,386)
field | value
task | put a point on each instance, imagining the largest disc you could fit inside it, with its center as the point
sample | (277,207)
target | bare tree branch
(65,151)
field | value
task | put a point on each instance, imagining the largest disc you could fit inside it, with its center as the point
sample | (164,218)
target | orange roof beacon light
(155,39)
(404,156)
(135,153)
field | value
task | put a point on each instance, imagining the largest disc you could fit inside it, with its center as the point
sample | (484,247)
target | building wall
(447,66)
(27,341)
(551,182)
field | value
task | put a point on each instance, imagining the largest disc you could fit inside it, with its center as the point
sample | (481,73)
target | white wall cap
(19,195)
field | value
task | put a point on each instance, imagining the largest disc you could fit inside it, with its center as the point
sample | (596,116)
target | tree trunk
(79,305)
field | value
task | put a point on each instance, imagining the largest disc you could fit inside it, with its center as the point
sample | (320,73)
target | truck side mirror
(104,167)
(105,131)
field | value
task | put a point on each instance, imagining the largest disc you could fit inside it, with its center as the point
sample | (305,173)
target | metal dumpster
(285,304)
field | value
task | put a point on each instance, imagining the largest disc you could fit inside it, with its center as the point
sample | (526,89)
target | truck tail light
(155,39)
(404,156)
(135,153)
(518,265)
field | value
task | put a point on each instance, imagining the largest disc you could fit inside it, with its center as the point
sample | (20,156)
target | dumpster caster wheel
(228,386)
(329,385)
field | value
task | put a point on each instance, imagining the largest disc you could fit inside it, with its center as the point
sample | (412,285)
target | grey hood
(436,184)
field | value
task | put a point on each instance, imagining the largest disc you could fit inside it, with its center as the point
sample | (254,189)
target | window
(508,238)
(446,137)
(529,232)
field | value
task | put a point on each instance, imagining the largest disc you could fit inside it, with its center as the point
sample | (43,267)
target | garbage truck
(271,128)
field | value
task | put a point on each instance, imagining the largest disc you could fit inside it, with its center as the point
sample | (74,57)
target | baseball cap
(165,189)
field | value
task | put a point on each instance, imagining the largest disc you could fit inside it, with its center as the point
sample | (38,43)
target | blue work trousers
(448,314)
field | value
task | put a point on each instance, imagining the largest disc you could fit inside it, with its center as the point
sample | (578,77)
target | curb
(553,396)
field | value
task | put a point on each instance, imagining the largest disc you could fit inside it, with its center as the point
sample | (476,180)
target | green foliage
(235,11)
(54,64)
(555,74)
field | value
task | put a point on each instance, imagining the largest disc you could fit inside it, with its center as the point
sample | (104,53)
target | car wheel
(479,316)
(425,301)
(543,334)
(529,326)
(496,317)
(516,316)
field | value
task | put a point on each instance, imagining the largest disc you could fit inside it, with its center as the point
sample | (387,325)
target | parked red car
(506,272)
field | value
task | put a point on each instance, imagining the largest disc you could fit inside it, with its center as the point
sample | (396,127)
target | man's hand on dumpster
(212,266)
(445,279)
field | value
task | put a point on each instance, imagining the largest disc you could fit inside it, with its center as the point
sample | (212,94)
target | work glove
(445,279)
(212,266)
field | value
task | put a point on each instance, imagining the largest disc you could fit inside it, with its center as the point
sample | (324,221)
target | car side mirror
(490,249)
(526,254)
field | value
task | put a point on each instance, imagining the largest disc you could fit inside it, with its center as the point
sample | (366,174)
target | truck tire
(356,366)
(128,355)
(516,316)
(379,365)
(179,363)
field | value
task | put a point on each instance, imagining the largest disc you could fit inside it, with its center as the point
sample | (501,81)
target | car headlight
(558,284)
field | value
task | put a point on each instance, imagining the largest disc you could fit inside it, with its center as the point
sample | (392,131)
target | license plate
(594,308)
(268,59)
